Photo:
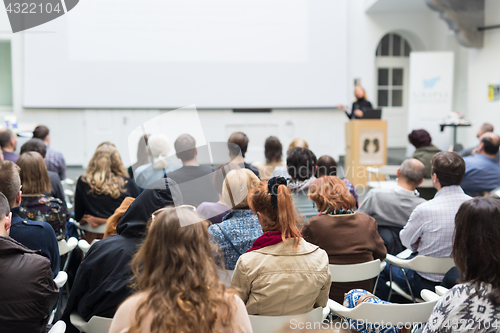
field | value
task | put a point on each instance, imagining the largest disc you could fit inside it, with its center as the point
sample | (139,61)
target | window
(5,74)
(393,45)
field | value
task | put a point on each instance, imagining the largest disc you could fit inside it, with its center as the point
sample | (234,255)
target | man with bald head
(482,171)
(484,128)
(391,207)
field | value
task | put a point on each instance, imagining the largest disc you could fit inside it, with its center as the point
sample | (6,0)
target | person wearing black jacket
(103,278)
(361,104)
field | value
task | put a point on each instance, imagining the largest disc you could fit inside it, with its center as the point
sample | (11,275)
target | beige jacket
(276,280)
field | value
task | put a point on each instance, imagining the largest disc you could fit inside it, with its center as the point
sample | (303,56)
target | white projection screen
(172,53)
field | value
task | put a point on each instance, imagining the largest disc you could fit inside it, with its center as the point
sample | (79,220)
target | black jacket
(360,104)
(27,289)
(103,278)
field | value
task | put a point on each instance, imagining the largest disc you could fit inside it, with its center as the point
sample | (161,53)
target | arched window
(393,45)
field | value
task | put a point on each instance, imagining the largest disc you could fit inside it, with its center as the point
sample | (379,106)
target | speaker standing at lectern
(359,105)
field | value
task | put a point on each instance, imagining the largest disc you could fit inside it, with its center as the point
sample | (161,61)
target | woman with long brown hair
(349,237)
(101,190)
(281,274)
(474,304)
(178,289)
(34,204)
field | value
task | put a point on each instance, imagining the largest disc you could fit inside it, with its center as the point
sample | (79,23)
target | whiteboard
(171,53)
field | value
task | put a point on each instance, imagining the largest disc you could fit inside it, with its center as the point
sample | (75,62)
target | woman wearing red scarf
(281,274)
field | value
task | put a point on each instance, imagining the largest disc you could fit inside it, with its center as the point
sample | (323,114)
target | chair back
(60,279)
(66,246)
(356,272)
(59,327)
(86,227)
(389,313)
(423,264)
(440,290)
(271,324)
(96,324)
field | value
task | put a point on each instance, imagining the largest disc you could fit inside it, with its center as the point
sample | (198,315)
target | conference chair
(96,324)
(66,247)
(420,264)
(272,324)
(440,290)
(59,327)
(85,246)
(60,280)
(405,314)
(385,170)
(357,272)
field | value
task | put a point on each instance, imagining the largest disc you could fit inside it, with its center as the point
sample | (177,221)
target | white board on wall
(171,53)
(431,94)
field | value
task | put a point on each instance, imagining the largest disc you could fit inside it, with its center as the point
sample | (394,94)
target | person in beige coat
(281,274)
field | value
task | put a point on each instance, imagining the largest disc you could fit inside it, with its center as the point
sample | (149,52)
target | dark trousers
(417,283)
(392,242)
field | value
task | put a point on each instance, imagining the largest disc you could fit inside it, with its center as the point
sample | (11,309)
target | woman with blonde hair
(349,237)
(240,227)
(359,105)
(101,190)
(176,282)
(34,204)
(282,274)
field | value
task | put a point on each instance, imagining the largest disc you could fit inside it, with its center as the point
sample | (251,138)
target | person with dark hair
(26,283)
(238,146)
(348,237)
(54,160)
(194,180)
(327,166)
(430,228)
(425,150)
(8,144)
(475,302)
(35,235)
(56,191)
(391,207)
(281,274)
(301,166)
(482,171)
(103,279)
(273,150)
(34,204)
(484,128)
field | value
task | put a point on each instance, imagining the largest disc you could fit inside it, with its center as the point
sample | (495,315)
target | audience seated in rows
(476,300)
(102,188)
(38,146)
(238,146)
(35,235)
(194,180)
(482,171)
(8,143)
(27,289)
(150,172)
(391,207)
(282,274)
(54,160)
(214,212)
(103,278)
(430,229)
(35,205)
(484,128)
(177,288)
(348,237)
(273,151)
(327,166)
(239,228)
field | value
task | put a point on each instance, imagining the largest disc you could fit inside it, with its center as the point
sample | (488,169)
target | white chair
(60,280)
(59,327)
(225,276)
(86,227)
(387,170)
(440,290)
(94,325)
(357,272)
(386,313)
(271,324)
(420,264)
(66,246)
(429,296)
(85,246)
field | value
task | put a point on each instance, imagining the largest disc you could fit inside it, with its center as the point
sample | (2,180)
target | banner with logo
(431,95)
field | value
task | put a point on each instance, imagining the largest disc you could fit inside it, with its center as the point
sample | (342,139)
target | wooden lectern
(366,145)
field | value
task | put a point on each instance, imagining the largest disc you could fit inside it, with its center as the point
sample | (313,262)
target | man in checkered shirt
(430,228)
(54,160)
